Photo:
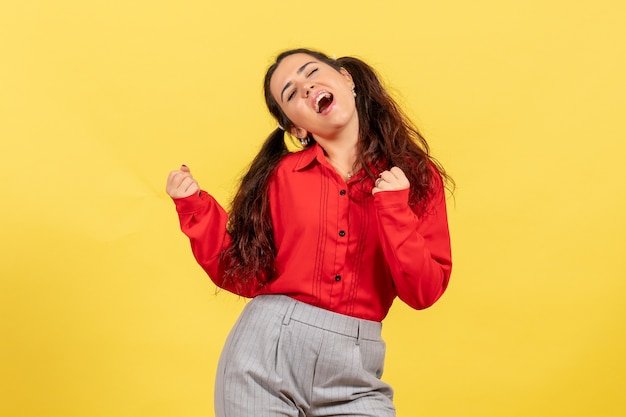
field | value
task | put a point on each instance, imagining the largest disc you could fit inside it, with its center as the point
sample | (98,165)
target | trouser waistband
(295,310)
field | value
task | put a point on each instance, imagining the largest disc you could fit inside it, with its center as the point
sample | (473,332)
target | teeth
(319,98)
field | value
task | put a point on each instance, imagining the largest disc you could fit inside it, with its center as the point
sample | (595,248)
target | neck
(342,158)
(340,146)
(340,138)
(345,158)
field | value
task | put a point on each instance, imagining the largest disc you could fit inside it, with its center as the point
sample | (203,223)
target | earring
(353,92)
(304,141)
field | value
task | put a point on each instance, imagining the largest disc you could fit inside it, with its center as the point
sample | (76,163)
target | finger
(393,179)
(184,168)
(396,177)
(179,172)
(379,185)
(398,173)
(176,178)
(193,188)
(383,186)
(172,175)
(175,183)
(394,174)
(387,176)
(188,185)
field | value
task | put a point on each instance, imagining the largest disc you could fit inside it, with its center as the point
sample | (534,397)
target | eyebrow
(302,68)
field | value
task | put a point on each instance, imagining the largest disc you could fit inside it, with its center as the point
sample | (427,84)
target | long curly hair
(387,138)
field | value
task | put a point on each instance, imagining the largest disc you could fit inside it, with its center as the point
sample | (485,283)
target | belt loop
(289,312)
(358,333)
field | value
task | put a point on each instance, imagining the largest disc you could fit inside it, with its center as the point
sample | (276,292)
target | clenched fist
(391,180)
(180,183)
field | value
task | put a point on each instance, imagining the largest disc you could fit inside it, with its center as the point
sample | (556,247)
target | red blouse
(338,246)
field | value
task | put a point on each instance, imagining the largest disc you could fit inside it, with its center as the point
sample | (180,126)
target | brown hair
(387,138)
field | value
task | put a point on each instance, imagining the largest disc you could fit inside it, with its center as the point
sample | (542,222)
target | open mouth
(323,101)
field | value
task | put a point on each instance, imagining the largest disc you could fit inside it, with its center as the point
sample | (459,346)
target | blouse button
(337,278)
(342,233)
(342,192)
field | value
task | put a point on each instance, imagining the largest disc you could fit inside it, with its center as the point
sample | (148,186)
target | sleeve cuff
(191,203)
(392,199)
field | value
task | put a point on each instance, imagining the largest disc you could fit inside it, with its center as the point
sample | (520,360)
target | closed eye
(293,92)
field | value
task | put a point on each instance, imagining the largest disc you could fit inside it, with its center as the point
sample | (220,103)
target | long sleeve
(338,246)
(416,249)
(204,222)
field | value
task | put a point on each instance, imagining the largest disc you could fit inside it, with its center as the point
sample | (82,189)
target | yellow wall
(103,311)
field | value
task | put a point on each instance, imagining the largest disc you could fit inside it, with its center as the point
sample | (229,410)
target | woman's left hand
(391,180)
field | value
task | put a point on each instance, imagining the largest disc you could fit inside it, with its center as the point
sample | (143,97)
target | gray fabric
(287,358)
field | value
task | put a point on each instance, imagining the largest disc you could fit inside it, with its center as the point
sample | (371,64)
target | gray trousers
(287,358)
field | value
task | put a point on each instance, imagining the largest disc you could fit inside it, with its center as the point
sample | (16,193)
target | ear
(298,132)
(347,75)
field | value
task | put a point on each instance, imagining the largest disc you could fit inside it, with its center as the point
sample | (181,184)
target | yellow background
(103,309)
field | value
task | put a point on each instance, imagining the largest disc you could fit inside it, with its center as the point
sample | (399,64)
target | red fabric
(348,252)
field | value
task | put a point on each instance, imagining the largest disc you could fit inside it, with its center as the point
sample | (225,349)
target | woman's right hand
(180,183)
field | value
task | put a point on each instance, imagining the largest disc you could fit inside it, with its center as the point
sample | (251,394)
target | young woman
(322,240)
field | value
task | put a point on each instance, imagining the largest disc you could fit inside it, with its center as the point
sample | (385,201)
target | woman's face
(314,96)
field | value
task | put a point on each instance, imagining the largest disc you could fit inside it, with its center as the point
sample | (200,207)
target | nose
(308,89)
